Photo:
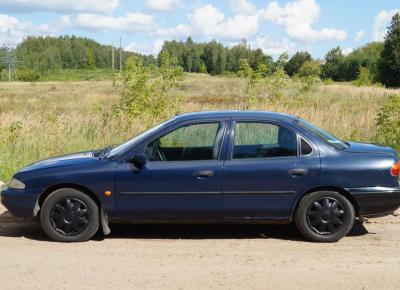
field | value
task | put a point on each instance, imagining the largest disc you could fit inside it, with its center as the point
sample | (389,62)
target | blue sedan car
(213,167)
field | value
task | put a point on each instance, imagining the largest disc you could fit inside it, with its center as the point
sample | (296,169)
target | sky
(273,26)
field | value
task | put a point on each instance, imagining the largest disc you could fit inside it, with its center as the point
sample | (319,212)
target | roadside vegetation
(39,120)
(48,118)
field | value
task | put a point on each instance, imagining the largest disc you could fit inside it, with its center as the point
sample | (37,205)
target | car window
(263,140)
(192,142)
(323,135)
(305,148)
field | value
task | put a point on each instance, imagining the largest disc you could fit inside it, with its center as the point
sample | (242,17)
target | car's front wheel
(324,216)
(69,215)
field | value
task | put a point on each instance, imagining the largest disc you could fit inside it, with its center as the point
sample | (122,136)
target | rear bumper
(20,202)
(376,201)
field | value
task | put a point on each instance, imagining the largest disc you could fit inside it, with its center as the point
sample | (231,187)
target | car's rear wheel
(324,216)
(69,215)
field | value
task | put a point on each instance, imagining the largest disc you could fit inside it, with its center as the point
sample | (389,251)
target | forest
(375,62)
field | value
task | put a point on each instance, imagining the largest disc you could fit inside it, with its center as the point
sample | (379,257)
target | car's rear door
(182,178)
(265,170)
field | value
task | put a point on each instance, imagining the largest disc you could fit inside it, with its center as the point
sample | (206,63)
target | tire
(324,216)
(69,215)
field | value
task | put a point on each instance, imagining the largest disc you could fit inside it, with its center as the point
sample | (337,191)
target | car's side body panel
(246,190)
(169,190)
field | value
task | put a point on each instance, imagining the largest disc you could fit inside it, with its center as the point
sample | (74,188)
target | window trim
(299,149)
(232,139)
(224,122)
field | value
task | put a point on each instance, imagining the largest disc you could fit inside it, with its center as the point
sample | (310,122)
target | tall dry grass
(39,120)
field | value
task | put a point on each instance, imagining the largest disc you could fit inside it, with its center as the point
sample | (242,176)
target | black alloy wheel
(70,216)
(325,216)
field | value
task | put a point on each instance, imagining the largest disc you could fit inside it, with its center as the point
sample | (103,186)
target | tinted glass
(322,134)
(193,142)
(263,140)
(305,147)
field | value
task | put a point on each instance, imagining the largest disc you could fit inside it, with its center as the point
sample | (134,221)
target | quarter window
(263,140)
(305,147)
(192,142)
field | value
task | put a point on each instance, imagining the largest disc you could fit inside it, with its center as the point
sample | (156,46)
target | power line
(9,58)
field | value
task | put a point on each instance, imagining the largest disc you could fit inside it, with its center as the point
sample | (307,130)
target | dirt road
(199,257)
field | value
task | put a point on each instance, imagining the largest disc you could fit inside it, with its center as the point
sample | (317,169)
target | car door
(265,170)
(181,180)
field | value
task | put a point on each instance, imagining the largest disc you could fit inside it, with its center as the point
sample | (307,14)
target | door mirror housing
(139,160)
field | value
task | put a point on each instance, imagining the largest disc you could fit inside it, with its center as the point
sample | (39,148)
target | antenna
(9,59)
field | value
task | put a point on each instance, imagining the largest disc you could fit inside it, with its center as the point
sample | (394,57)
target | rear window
(335,142)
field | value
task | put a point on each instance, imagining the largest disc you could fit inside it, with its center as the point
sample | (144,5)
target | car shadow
(11,226)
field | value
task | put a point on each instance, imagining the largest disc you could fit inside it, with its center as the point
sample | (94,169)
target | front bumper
(376,201)
(20,202)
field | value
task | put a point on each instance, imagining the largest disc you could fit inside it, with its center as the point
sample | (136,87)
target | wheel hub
(70,216)
(325,216)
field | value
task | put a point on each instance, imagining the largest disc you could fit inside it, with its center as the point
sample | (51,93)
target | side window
(305,147)
(263,140)
(192,142)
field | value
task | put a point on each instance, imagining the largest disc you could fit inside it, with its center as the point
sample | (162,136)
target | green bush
(388,123)
(364,77)
(311,68)
(145,88)
(28,75)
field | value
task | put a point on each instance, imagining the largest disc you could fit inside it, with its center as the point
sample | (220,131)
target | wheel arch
(55,187)
(339,190)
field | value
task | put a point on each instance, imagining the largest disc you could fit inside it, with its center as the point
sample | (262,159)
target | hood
(83,158)
(355,147)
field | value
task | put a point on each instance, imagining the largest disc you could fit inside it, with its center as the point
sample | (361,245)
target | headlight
(3,186)
(15,183)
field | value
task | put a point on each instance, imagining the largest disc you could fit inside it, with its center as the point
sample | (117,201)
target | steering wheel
(158,155)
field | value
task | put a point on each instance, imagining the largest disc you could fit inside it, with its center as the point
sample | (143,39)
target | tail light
(395,170)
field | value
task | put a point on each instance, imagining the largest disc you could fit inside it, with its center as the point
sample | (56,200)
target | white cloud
(208,22)
(243,7)
(347,50)
(359,35)
(297,18)
(163,5)
(153,49)
(381,20)
(129,22)
(55,26)
(12,30)
(87,6)
(272,47)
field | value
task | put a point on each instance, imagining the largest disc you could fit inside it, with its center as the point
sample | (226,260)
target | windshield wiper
(102,153)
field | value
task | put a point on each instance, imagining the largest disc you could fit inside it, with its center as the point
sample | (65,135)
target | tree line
(375,62)
(46,54)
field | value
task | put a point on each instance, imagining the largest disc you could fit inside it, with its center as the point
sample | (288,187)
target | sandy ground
(200,257)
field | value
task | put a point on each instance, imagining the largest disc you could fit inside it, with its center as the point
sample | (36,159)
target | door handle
(298,171)
(203,173)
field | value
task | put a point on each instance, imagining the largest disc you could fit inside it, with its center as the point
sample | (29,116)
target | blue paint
(248,189)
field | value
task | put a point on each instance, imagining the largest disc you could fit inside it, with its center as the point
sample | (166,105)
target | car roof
(235,114)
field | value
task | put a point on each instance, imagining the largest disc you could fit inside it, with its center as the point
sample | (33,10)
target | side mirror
(139,160)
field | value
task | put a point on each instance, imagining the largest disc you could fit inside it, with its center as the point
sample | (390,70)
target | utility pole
(120,55)
(9,58)
(112,55)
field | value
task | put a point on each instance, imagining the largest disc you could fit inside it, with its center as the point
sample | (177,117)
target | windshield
(322,134)
(121,148)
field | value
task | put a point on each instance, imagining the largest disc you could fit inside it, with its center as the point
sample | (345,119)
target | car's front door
(265,170)
(181,180)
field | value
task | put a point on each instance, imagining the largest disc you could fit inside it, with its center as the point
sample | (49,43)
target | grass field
(43,119)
